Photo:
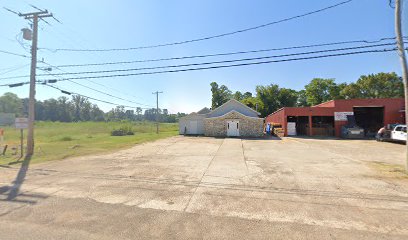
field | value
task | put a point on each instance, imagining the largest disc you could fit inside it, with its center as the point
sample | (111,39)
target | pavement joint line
(251,188)
(305,202)
(201,179)
(246,188)
(245,159)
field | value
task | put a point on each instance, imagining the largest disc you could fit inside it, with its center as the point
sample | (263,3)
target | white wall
(184,122)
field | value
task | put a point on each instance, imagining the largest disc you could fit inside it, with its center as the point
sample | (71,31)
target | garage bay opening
(323,125)
(370,119)
(298,125)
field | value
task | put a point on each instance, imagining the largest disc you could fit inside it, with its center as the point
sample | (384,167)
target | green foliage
(252,102)
(92,137)
(10,103)
(351,91)
(78,109)
(66,138)
(322,90)
(301,99)
(380,85)
(271,97)
(123,131)
(220,95)
(238,96)
(287,97)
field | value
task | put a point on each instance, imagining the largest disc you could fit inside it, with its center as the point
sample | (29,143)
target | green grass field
(56,140)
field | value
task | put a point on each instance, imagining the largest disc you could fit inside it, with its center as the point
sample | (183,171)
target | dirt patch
(389,170)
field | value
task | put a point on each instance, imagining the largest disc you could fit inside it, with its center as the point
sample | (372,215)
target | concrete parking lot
(213,188)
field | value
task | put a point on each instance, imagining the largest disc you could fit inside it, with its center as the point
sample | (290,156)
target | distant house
(230,119)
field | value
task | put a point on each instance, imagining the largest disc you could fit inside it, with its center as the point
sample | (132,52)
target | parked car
(399,133)
(351,130)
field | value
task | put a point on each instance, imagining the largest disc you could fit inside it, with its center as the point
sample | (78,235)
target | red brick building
(327,118)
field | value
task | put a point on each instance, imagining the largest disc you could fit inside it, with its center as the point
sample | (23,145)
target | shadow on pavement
(11,193)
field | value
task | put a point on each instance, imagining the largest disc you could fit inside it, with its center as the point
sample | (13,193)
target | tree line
(79,108)
(269,98)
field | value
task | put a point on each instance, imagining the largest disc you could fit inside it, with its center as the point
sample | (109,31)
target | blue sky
(126,23)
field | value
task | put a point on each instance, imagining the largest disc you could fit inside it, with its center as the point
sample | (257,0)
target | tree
(11,103)
(351,91)
(65,109)
(51,110)
(335,91)
(139,110)
(272,97)
(380,85)
(220,95)
(77,102)
(301,99)
(85,112)
(287,97)
(238,96)
(322,90)
(253,102)
(247,95)
(150,114)
(268,96)
(97,114)
(39,111)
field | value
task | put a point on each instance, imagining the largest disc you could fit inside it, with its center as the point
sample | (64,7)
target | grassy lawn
(55,140)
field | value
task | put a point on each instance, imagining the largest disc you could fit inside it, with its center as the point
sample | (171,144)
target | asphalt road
(212,188)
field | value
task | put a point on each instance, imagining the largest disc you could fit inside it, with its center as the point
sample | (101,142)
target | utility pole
(157,110)
(35,16)
(401,52)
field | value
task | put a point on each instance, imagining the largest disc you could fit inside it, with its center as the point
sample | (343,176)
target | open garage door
(323,125)
(301,124)
(369,118)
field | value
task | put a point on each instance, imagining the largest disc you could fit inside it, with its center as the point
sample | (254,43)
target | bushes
(123,131)
(66,138)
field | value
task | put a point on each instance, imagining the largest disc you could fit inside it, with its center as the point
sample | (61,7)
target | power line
(96,90)
(7,9)
(39,9)
(15,54)
(218,62)
(18,84)
(226,54)
(110,95)
(113,89)
(14,69)
(203,38)
(224,66)
(203,63)
(95,99)
(75,39)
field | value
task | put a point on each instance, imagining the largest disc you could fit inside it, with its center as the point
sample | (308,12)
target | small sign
(21,123)
(342,116)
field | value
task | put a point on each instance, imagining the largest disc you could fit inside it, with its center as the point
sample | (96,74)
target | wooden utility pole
(157,110)
(401,52)
(35,16)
